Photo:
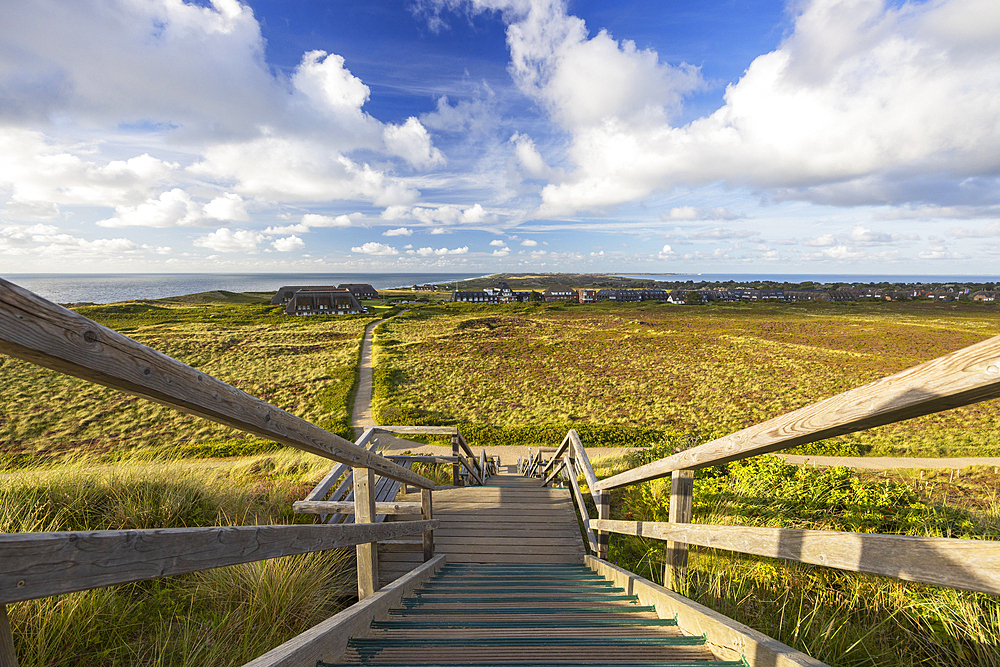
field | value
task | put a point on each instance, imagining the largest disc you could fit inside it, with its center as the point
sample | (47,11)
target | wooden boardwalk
(512,519)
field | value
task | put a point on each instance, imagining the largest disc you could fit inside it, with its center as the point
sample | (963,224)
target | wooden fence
(961,378)
(34,565)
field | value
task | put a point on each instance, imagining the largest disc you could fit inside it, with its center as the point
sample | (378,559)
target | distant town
(347,299)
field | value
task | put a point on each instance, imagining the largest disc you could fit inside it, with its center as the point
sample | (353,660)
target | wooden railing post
(427,512)
(681,497)
(7,656)
(456,468)
(364,512)
(603,512)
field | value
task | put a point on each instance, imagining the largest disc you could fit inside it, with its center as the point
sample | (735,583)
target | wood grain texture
(427,513)
(8,658)
(581,507)
(681,501)
(328,640)
(347,507)
(967,376)
(418,430)
(49,335)
(35,565)
(603,515)
(583,462)
(424,459)
(728,639)
(972,565)
(364,513)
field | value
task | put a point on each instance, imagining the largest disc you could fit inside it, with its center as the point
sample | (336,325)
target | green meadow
(636,373)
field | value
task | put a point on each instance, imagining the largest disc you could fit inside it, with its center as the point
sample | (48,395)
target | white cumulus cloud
(288,244)
(230,240)
(373,248)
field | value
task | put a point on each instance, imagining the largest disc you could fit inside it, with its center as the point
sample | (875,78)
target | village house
(361,291)
(285,294)
(984,295)
(586,295)
(481,296)
(559,294)
(323,301)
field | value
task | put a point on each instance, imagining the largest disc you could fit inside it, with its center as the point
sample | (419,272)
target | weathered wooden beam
(972,565)
(563,446)
(36,565)
(555,473)
(571,473)
(427,514)
(364,513)
(603,516)
(49,335)
(321,489)
(456,469)
(8,658)
(681,501)
(967,376)
(583,460)
(418,430)
(347,507)
(423,459)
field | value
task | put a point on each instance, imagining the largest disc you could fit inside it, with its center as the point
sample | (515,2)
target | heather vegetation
(304,365)
(639,373)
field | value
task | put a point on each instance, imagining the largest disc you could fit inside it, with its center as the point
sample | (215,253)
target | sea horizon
(115,287)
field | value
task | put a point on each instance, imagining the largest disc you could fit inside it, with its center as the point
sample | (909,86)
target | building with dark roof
(323,301)
(361,291)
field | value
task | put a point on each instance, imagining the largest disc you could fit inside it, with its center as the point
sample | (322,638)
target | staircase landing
(512,519)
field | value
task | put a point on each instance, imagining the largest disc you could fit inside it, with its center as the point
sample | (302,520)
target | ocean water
(803,277)
(109,288)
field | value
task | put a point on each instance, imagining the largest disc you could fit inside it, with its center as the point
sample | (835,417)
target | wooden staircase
(479,615)
(510,519)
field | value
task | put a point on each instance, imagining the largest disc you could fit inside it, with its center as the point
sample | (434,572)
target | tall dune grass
(225,616)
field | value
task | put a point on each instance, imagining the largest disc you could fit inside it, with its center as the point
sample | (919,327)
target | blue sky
(826,136)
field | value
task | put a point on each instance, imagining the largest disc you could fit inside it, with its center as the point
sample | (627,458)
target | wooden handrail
(972,565)
(583,460)
(419,430)
(969,375)
(49,335)
(347,507)
(325,484)
(571,474)
(563,446)
(35,565)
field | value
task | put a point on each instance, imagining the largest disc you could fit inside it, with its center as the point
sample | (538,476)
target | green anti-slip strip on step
(522,589)
(534,611)
(448,599)
(514,642)
(705,663)
(442,623)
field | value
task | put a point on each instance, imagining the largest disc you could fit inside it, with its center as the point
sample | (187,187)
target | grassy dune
(705,370)
(304,365)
